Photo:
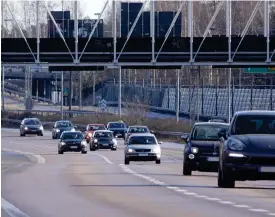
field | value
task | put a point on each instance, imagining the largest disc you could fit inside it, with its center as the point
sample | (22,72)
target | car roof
(138,126)
(255,112)
(211,124)
(114,122)
(102,131)
(73,132)
(64,121)
(96,124)
(31,119)
(142,134)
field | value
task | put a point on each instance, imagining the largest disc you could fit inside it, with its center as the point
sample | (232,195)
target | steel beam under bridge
(176,51)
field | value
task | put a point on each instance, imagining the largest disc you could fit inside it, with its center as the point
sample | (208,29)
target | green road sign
(66,91)
(260,70)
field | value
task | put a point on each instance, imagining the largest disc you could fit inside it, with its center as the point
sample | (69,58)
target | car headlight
(26,128)
(57,130)
(62,143)
(236,146)
(130,150)
(156,150)
(95,141)
(84,143)
(114,141)
(73,130)
(89,134)
(194,150)
(41,128)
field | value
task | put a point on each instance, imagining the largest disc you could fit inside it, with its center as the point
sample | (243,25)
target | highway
(37,182)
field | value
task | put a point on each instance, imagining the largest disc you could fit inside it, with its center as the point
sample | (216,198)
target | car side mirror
(116,136)
(160,142)
(222,134)
(151,131)
(185,137)
(75,127)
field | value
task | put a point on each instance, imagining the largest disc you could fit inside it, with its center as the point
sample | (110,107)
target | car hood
(34,126)
(257,143)
(204,144)
(65,128)
(72,140)
(142,146)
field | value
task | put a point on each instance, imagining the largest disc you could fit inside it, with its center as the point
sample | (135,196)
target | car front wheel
(126,161)
(186,170)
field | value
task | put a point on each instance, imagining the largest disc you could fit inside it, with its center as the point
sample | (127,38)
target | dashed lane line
(186,192)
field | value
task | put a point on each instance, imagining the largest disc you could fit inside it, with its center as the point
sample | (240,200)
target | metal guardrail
(160,133)
(22,94)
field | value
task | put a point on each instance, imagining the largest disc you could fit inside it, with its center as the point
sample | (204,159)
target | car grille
(266,161)
(73,143)
(207,151)
(143,150)
(32,128)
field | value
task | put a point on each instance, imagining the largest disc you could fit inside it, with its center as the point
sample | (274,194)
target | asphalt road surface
(37,182)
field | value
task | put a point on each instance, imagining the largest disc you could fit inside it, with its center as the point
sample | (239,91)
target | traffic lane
(78,185)
(256,194)
(157,175)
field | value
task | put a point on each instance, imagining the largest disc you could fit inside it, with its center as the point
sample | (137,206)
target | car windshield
(117,125)
(142,140)
(257,124)
(103,135)
(64,124)
(32,122)
(138,130)
(96,127)
(207,132)
(66,136)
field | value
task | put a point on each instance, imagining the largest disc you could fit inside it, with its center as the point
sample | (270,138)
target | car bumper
(73,148)
(143,157)
(104,146)
(33,131)
(203,163)
(251,172)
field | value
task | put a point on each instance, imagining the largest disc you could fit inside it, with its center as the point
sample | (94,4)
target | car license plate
(106,144)
(267,169)
(73,147)
(213,159)
(119,134)
(143,155)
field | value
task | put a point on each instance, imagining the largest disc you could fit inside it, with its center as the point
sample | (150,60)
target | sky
(90,7)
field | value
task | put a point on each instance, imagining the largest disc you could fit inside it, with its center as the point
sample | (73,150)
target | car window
(116,125)
(96,127)
(138,130)
(142,140)
(207,132)
(72,136)
(257,124)
(103,135)
(64,124)
(32,122)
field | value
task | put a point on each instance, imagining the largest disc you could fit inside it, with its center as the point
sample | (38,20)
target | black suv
(247,151)
(201,151)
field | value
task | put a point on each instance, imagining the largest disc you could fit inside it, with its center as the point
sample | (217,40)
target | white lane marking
(43,146)
(226,202)
(242,206)
(181,190)
(258,210)
(272,214)
(174,188)
(12,168)
(190,193)
(213,199)
(11,210)
(104,158)
(201,196)
(40,159)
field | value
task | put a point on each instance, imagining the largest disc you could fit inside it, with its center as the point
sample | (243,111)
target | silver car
(142,147)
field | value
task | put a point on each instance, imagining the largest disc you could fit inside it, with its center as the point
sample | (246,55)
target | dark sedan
(72,142)
(103,139)
(247,151)
(61,126)
(31,126)
(118,128)
(201,151)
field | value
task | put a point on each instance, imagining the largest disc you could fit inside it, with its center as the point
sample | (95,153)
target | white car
(142,147)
